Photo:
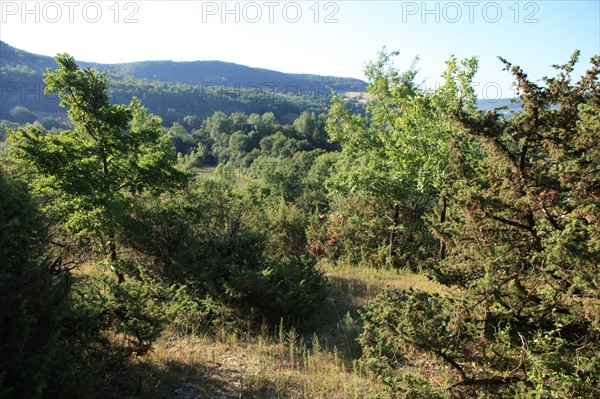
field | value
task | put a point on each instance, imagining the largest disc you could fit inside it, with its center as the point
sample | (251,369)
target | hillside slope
(176,89)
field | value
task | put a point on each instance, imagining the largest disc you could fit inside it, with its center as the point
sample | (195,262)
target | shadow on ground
(141,379)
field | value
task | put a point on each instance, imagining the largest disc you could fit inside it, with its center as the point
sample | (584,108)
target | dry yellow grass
(266,366)
(280,363)
(361,283)
(361,96)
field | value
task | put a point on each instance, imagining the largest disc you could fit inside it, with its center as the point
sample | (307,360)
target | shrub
(32,305)
(400,326)
(228,251)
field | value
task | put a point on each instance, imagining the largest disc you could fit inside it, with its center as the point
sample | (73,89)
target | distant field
(205,172)
(208,172)
(361,96)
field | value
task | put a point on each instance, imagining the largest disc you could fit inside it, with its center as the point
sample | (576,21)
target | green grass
(208,172)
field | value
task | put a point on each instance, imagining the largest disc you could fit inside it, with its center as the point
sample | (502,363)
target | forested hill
(219,72)
(176,89)
(193,73)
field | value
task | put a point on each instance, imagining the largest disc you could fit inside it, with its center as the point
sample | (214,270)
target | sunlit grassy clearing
(280,363)
(360,283)
(208,172)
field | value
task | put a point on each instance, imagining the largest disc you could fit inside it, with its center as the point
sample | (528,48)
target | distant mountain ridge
(196,73)
(174,90)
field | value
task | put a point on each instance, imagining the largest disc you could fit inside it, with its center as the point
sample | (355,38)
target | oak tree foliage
(113,152)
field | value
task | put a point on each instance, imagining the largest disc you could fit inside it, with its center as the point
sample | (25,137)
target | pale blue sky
(533,34)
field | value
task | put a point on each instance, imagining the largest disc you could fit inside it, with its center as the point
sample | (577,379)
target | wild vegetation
(423,248)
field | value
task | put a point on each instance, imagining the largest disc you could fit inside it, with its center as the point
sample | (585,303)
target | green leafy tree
(22,115)
(193,121)
(522,235)
(181,138)
(311,127)
(262,125)
(398,153)
(113,152)
(50,122)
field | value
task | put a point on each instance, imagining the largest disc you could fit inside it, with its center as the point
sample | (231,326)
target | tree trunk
(112,247)
(396,222)
(442,243)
